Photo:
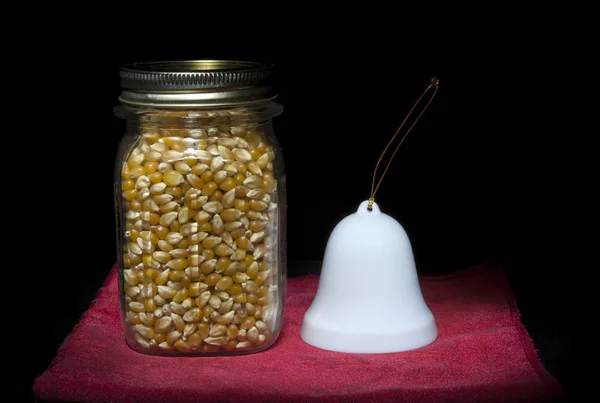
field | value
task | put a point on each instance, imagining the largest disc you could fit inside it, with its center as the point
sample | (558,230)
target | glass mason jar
(201,209)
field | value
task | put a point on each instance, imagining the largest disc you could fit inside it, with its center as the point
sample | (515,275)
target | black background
(482,175)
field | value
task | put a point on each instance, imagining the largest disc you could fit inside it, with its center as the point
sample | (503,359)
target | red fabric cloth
(482,354)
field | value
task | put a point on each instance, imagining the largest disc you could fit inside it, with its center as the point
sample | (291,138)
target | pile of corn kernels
(199,238)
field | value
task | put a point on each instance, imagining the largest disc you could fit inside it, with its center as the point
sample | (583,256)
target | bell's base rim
(353,342)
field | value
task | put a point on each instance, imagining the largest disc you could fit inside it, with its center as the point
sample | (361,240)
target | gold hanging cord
(434,83)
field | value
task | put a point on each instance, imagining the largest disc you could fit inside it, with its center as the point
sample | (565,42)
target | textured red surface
(482,354)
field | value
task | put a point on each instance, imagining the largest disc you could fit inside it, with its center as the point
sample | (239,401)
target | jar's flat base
(199,353)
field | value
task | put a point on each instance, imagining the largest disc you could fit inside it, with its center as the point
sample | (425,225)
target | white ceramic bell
(368,300)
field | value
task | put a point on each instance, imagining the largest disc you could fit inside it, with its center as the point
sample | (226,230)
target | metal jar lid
(196,83)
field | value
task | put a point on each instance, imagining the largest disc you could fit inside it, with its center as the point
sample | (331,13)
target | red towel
(483,354)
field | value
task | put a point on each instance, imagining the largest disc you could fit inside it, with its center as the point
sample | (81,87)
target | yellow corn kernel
(238,233)
(164,325)
(175,226)
(208,253)
(209,188)
(252,335)
(240,167)
(196,288)
(178,322)
(178,264)
(193,272)
(181,345)
(227,317)
(195,260)
(251,287)
(186,281)
(222,264)
(134,235)
(162,277)
(195,239)
(252,271)
(212,279)
(155,177)
(261,146)
(268,177)
(172,177)
(149,305)
(242,155)
(152,156)
(136,172)
(129,195)
(173,336)
(174,191)
(262,276)
(219,177)
(194,341)
(207,176)
(223,250)
(211,241)
(154,219)
(231,345)
(232,331)
(258,205)
(136,306)
(263,300)
(199,169)
(127,185)
(182,168)
(207,311)
(248,261)
(216,196)
(162,257)
(150,167)
(235,289)
(193,315)
(254,169)
(239,178)
(241,191)
(176,275)
(151,274)
(244,243)
(186,186)
(240,277)
(135,160)
(231,214)
(180,295)
(133,318)
(136,206)
(256,153)
(252,298)
(262,290)
(228,184)
(164,246)
(240,298)
(238,255)
(262,161)
(195,181)
(203,329)
(224,283)
(166,292)
(250,308)
(217,330)
(145,331)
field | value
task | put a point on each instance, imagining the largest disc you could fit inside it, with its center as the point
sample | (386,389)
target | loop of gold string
(434,83)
